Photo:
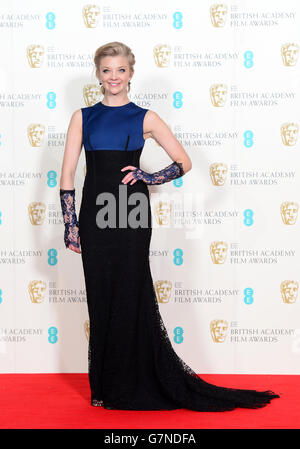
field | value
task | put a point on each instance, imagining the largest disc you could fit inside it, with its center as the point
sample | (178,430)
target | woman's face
(114,74)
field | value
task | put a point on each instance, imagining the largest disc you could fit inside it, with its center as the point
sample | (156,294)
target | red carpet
(61,401)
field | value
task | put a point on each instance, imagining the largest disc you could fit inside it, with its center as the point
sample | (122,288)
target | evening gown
(131,362)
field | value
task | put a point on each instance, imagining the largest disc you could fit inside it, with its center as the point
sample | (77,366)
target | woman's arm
(67,191)
(156,128)
(72,152)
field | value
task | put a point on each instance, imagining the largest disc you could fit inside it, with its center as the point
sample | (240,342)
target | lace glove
(172,171)
(67,200)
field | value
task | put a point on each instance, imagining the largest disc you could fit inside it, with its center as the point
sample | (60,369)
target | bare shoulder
(151,121)
(77,115)
(76,118)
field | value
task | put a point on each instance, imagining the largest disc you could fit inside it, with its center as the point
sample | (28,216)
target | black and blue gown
(131,362)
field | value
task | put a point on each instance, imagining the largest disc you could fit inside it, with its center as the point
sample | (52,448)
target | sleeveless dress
(131,362)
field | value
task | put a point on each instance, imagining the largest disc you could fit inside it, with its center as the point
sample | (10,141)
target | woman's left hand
(129,177)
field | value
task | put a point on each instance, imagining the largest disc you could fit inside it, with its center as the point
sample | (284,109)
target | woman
(132,364)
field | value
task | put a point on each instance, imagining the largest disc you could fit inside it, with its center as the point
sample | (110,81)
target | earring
(100,83)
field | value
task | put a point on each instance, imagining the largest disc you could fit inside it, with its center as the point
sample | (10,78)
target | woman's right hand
(74,248)
(72,238)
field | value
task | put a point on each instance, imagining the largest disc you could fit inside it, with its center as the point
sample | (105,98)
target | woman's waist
(111,161)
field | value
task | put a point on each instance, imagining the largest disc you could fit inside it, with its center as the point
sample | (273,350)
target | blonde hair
(114,49)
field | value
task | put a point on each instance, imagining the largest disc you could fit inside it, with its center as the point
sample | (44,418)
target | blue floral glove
(172,171)
(67,200)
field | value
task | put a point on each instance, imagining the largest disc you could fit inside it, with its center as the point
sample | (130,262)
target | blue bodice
(113,127)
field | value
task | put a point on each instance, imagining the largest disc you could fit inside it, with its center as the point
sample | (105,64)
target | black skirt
(131,362)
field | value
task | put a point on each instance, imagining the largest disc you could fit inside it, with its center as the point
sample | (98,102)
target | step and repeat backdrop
(225,247)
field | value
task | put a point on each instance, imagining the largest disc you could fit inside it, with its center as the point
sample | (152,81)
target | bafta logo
(289,54)
(35,133)
(289,291)
(289,133)
(162,213)
(35,55)
(91,15)
(36,291)
(289,212)
(218,252)
(218,14)
(36,211)
(218,330)
(218,94)
(91,94)
(87,329)
(161,54)
(163,291)
(218,172)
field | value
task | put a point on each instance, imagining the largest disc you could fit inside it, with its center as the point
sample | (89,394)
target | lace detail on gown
(190,391)
(179,382)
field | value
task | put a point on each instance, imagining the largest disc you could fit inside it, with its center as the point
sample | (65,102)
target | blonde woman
(132,364)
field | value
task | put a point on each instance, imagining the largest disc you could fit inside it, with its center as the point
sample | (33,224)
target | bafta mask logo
(91,15)
(36,211)
(162,213)
(162,54)
(218,252)
(289,212)
(218,14)
(35,55)
(87,329)
(218,93)
(289,54)
(91,94)
(289,291)
(163,291)
(218,172)
(36,291)
(218,330)
(289,133)
(35,133)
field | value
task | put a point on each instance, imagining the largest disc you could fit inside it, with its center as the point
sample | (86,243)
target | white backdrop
(225,245)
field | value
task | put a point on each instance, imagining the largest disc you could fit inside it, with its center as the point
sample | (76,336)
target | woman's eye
(105,70)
